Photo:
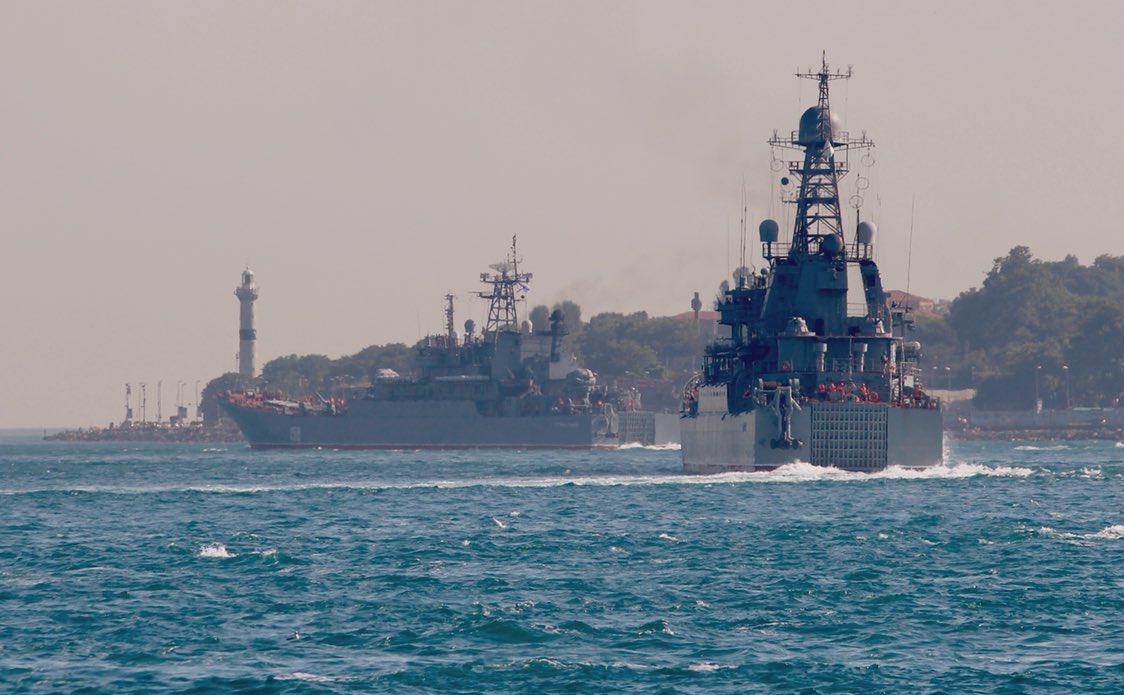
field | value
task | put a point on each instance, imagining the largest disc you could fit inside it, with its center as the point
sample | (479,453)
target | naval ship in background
(508,386)
(804,375)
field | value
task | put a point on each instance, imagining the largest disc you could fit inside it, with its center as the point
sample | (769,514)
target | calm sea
(215,569)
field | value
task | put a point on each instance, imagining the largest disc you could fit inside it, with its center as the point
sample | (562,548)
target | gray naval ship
(806,375)
(508,386)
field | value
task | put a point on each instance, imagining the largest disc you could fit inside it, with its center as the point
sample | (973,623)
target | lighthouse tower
(247,294)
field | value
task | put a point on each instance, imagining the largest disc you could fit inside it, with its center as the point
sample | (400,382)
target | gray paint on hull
(718,442)
(441,424)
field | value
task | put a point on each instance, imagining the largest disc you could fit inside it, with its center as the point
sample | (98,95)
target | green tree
(615,344)
(1041,322)
(297,375)
(572,315)
(217,388)
(397,356)
(1095,358)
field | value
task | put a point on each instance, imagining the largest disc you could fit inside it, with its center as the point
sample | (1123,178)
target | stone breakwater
(151,432)
(1070,424)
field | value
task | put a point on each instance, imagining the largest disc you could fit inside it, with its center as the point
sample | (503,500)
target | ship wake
(799,472)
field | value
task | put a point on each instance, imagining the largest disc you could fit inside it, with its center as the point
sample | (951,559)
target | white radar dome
(866,232)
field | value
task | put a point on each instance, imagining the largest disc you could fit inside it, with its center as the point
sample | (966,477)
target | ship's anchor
(783,406)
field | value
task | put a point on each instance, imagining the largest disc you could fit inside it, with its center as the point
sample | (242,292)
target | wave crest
(650,447)
(217,550)
(1114,532)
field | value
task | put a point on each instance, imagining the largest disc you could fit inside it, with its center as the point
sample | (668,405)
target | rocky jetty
(151,432)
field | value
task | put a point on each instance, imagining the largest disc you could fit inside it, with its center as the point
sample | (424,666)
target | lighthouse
(247,294)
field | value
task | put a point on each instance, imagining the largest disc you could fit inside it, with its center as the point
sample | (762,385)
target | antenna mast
(909,257)
(741,264)
(508,287)
(821,139)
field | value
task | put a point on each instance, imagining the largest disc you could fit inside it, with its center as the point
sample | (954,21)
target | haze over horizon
(365,158)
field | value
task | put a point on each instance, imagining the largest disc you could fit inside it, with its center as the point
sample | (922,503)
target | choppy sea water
(216,569)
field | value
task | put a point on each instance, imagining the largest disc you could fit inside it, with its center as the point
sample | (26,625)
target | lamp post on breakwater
(1037,398)
(1065,368)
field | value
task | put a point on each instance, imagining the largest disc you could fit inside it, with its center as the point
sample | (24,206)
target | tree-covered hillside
(1054,327)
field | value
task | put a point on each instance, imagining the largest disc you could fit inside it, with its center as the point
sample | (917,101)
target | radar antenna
(508,287)
(825,162)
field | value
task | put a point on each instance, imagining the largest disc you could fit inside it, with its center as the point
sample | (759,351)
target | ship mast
(818,213)
(507,287)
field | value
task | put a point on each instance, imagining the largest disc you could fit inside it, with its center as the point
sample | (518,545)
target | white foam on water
(214,550)
(1035,447)
(1111,533)
(1120,445)
(797,472)
(668,537)
(307,677)
(651,447)
(706,667)
(955,470)
(623,664)
(1114,532)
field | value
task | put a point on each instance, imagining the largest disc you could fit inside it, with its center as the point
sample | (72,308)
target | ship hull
(864,437)
(434,425)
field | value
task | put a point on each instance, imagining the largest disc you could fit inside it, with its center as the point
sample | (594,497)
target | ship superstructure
(506,386)
(816,366)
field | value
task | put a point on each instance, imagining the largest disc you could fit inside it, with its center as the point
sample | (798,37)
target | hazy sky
(365,158)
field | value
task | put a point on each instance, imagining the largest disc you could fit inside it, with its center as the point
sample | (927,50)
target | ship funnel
(768,231)
(865,233)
